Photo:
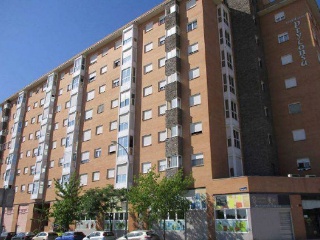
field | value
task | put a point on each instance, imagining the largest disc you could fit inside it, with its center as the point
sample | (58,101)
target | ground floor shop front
(233,208)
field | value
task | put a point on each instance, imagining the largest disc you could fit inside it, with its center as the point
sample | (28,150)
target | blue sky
(37,35)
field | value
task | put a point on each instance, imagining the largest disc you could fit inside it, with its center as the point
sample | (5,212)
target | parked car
(101,235)
(45,236)
(7,235)
(23,236)
(140,235)
(71,236)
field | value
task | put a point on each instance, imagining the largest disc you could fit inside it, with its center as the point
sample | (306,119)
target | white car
(140,235)
(45,236)
(101,235)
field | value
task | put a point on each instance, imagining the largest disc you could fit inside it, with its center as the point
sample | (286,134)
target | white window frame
(110,173)
(84,179)
(162,136)
(148,68)
(190,4)
(279,17)
(283,37)
(194,48)
(145,167)
(286,59)
(149,27)
(103,69)
(90,95)
(194,73)
(162,62)
(102,88)
(146,140)
(299,135)
(196,128)
(290,82)
(93,58)
(195,100)
(162,109)
(113,125)
(147,91)
(148,47)
(147,114)
(95,176)
(88,114)
(86,135)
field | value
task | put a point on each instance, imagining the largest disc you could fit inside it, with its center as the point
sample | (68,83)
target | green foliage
(153,198)
(101,200)
(66,208)
(41,215)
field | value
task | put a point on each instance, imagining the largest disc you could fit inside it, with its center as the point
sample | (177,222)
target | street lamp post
(127,179)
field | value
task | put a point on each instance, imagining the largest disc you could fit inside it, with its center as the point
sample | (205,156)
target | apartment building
(222,89)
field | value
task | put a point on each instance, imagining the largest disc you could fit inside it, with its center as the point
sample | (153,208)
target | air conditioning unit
(309,176)
(293,175)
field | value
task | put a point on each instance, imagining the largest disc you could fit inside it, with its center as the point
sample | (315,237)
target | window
(148,47)
(174,161)
(83,179)
(146,167)
(125,76)
(54,144)
(162,165)
(236,138)
(61,161)
(95,176)
(294,108)
(162,136)
(117,44)
(299,135)
(126,56)
(228,38)
(30,136)
(234,111)
(123,122)
(26,123)
(162,109)
(147,91)
(115,83)
(161,62)
(93,58)
(30,188)
(290,82)
(146,140)
(229,60)
(104,69)
(303,164)
(192,25)
(283,37)
(176,131)
(161,40)
(51,163)
(196,128)
(63,141)
(33,120)
(86,135)
(286,59)
(195,100)
(49,184)
(173,53)
(92,77)
(279,17)
(88,115)
(110,173)
(127,37)
(32,170)
(191,4)
(100,108)
(149,27)
(105,51)
(42,102)
(113,125)
(35,105)
(121,174)
(162,85)
(193,48)
(102,88)
(194,73)
(67,104)
(175,103)
(116,63)
(97,152)
(147,114)
(112,149)
(173,8)
(99,130)
(173,30)
(124,99)
(85,157)
(90,95)
(23,188)
(147,68)
(114,103)
(25,170)
(162,19)
(197,159)
(28,153)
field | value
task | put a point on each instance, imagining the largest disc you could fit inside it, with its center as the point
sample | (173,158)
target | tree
(97,202)
(153,198)
(66,208)
(41,216)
